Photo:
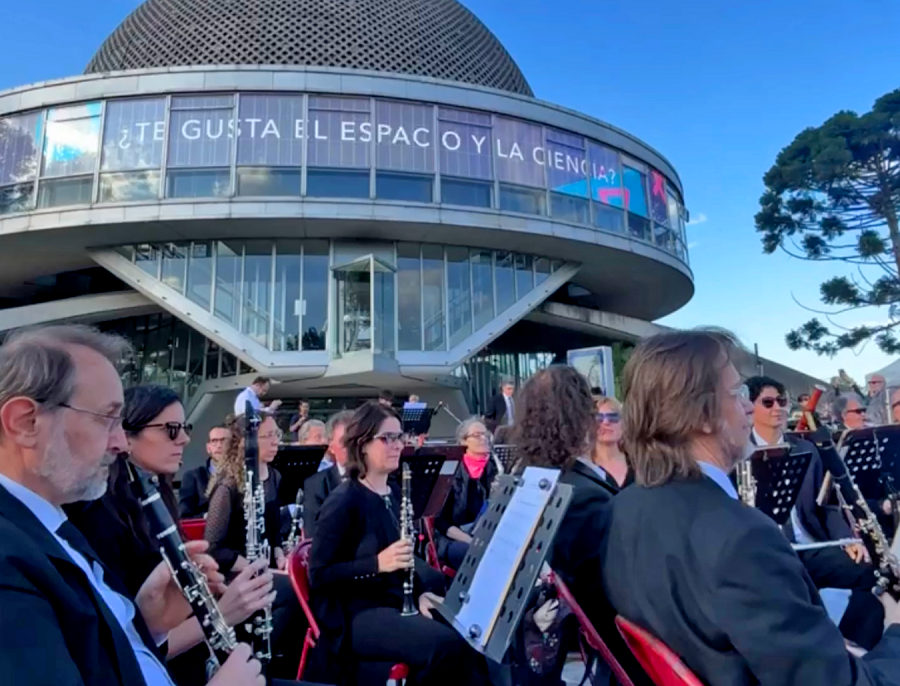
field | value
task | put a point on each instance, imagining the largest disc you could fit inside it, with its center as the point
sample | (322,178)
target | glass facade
(320,146)
(387,297)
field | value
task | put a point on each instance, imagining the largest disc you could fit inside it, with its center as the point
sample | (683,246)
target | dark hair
(217,426)
(361,430)
(261,380)
(672,384)
(143,404)
(555,421)
(386,395)
(756,384)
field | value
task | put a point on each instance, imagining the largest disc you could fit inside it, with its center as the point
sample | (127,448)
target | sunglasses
(609,417)
(172,429)
(391,438)
(859,410)
(769,403)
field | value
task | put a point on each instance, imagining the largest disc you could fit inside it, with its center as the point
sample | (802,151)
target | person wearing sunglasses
(358,564)
(852,411)
(608,453)
(810,522)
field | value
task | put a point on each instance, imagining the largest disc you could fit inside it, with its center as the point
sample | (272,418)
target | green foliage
(834,195)
(620,354)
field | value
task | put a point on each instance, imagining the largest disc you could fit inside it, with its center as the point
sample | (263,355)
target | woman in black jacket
(358,564)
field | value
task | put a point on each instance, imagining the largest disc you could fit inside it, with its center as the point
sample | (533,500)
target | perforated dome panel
(436,38)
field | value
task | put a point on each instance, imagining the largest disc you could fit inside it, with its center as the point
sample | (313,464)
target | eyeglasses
(478,435)
(858,410)
(742,392)
(391,438)
(172,429)
(217,441)
(278,434)
(769,403)
(114,421)
(608,417)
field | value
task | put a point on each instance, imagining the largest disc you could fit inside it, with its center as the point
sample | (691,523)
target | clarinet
(746,483)
(258,627)
(219,636)
(296,523)
(406,533)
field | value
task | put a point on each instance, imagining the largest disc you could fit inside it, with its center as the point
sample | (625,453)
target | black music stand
(507,456)
(417,420)
(296,463)
(778,474)
(870,452)
(500,594)
(425,463)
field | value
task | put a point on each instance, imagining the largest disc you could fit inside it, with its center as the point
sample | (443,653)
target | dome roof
(435,38)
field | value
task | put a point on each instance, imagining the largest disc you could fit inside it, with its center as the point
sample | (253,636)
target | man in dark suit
(716,581)
(501,408)
(318,487)
(193,500)
(831,567)
(65,620)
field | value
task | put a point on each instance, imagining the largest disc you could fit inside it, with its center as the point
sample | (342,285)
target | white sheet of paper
(448,467)
(501,559)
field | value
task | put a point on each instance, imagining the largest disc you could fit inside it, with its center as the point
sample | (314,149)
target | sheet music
(503,554)
(448,468)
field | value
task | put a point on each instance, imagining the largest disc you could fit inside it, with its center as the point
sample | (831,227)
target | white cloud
(699,219)
(693,245)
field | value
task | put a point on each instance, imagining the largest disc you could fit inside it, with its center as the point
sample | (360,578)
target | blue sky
(717,87)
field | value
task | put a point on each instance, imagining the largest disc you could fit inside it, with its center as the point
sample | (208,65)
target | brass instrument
(406,533)
(746,483)
(258,626)
(219,636)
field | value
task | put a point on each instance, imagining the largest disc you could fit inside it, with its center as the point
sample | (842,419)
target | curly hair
(554,422)
(360,431)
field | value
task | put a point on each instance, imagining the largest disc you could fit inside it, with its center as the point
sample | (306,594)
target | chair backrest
(591,635)
(298,566)
(193,528)
(663,666)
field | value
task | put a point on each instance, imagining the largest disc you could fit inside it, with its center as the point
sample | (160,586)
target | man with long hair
(714,580)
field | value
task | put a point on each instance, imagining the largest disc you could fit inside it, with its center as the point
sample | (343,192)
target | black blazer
(315,490)
(719,584)
(496,412)
(53,628)
(466,498)
(193,501)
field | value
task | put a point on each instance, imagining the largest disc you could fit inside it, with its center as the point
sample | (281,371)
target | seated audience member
(320,485)
(851,410)
(716,581)
(468,494)
(312,432)
(358,564)
(607,454)
(66,618)
(193,501)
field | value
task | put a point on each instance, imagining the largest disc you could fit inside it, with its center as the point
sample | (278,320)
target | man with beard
(64,619)
(714,580)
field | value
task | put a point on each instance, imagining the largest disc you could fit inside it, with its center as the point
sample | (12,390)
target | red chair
(431,553)
(298,564)
(589,633)
(663,666)
(193,528)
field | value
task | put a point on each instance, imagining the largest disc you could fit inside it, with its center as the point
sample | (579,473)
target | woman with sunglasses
(357,567)
(608,453)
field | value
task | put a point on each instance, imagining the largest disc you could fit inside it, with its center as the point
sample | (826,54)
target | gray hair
(463,429)
(308,426)
(341,418)
(37,362)
(841,402)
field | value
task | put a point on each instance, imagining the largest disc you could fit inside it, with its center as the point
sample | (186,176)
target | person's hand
(398,555)
(427,602)
(160,600)
(467,538)
(240,669)
(280,559)
(857,552)
(247,593)
(274,405)
(891,610)
(886,507)
(240,564)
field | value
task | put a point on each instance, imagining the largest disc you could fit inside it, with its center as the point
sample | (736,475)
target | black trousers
(435,653)
(863,622)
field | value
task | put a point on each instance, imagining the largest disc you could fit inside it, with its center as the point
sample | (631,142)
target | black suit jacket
(52,626)
(315,490)
(496,412)
(718,583)
(193,501)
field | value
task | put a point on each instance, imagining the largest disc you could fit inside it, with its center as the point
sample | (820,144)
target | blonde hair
(601,400)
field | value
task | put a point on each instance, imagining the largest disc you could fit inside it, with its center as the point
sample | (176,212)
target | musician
(895,407)
(831,567)
(193,501)
(557,427)
(358,564)
(852,411)
(469,492)
(313,432)
(65,619)
(502,408)
(258,389)
(877,406)
(716,581)
(607,452)
(320,485)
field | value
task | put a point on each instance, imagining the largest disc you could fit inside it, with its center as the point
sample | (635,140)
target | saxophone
(406,533)
(258,627)
(220,638)
(746,482)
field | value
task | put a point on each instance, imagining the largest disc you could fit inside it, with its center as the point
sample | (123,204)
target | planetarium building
(341,196)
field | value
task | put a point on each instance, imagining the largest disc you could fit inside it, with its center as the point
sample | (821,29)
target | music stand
(507,456)
(417,420)
(778,474)
(296,463)
(869,452)
(510,543)
(425,464)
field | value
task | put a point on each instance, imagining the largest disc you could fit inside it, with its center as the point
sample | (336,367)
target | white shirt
(121,607)
(510,411)
(720,477)
(801,535)
(597,469)
(240,403)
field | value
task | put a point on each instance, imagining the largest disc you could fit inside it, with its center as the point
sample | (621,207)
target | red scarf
(475,465)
